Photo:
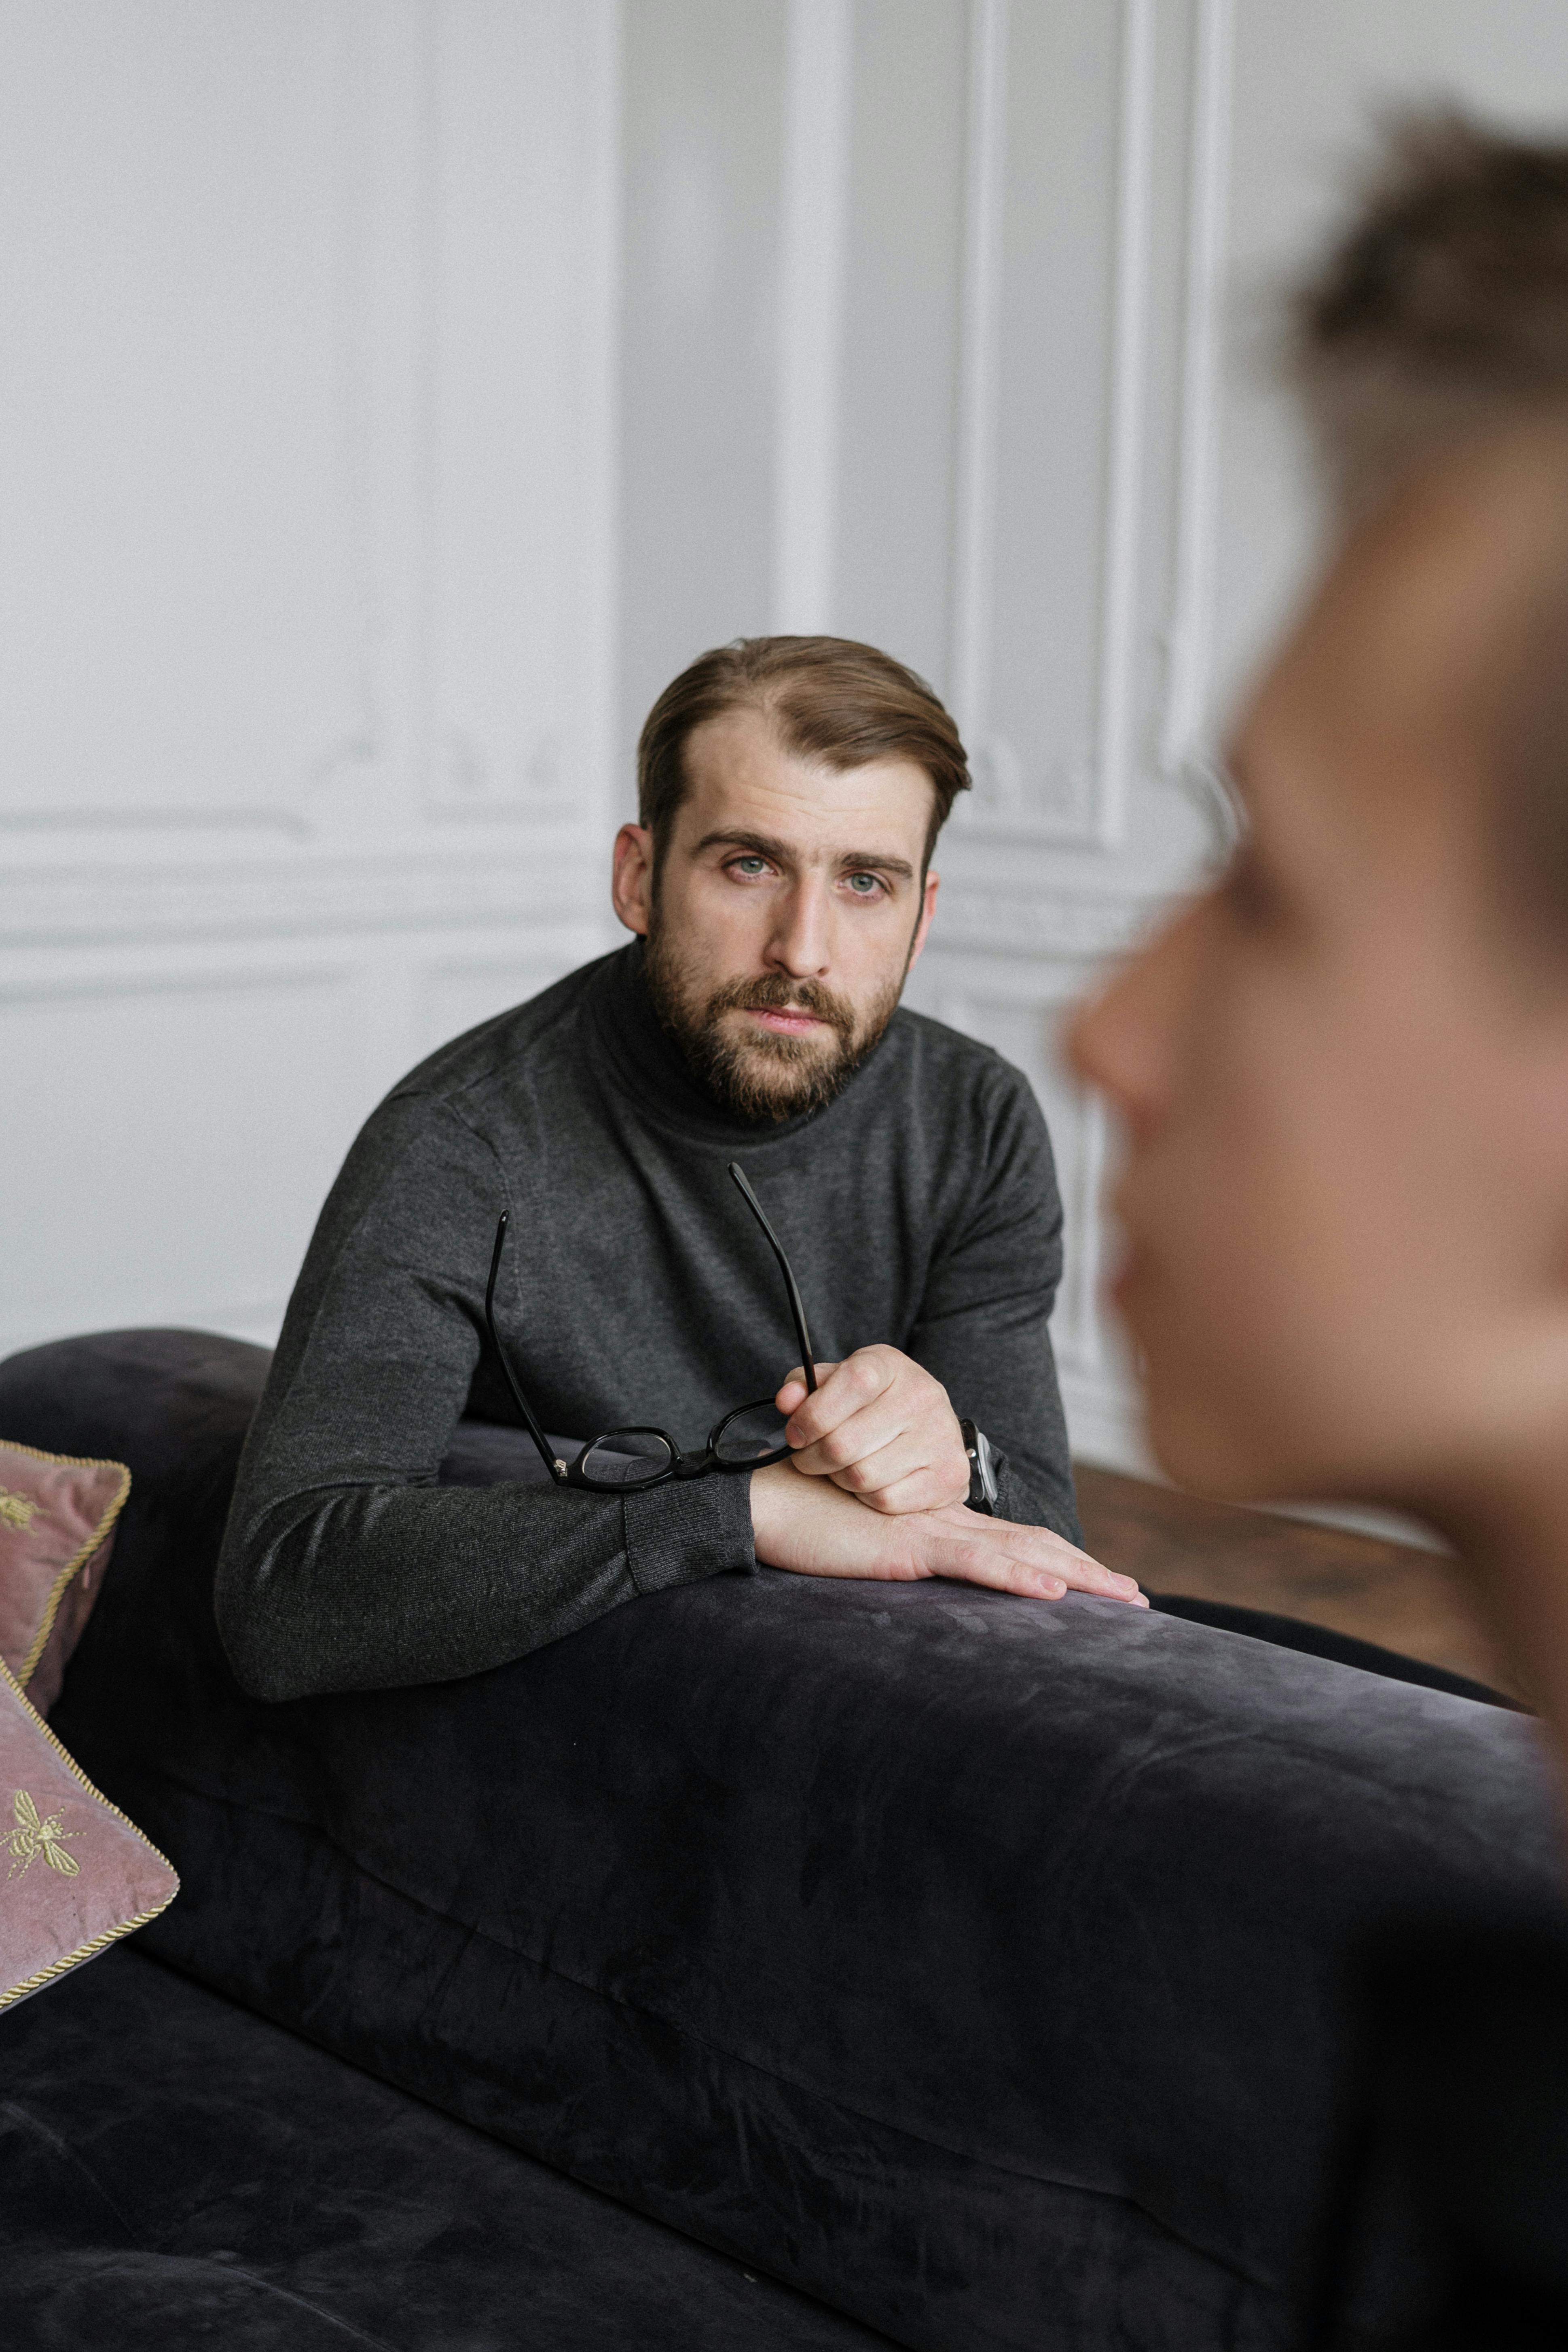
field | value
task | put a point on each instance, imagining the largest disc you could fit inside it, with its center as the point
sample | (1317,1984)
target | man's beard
(762,1076)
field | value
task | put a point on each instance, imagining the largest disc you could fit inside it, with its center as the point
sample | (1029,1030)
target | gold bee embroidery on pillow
(17,1510)
(33,1837)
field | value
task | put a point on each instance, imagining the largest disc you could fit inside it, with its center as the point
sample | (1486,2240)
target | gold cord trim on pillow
(74,1566)
(99,1942)
(40,1977)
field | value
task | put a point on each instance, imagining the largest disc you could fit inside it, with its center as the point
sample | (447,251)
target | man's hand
(879,1426)
(809,1525)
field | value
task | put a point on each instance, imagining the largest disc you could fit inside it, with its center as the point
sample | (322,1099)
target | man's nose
(801,944)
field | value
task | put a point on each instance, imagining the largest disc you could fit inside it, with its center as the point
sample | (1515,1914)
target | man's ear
(927,909)
(631,883)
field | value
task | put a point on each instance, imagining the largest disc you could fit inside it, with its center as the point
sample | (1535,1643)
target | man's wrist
(769,1500)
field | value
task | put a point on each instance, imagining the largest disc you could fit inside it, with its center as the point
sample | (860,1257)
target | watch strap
(983,1489)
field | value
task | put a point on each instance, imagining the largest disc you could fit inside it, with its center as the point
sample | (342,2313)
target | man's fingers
(842,1391)
(884,1441)
(971,1560)
(1017,1571)
(1032,1560)
(1080,1574)
(879,1421)
(921,1488)
(856,1442)
(794,1392)
(901,1481)
(903,1476)
(810,1526)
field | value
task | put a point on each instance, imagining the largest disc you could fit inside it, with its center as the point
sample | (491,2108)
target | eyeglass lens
(751,1435)
(626,1457)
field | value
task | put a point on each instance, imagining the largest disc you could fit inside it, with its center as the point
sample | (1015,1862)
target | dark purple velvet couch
(976,1971)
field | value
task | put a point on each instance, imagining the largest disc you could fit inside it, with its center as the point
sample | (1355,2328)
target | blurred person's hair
(1443,310)
(827,698)
(1440,318)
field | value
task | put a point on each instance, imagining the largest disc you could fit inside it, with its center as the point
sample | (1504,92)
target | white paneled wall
(995,359)
(307,470)
(396,392)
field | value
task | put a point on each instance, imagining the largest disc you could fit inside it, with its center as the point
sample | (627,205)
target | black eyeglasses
(747,1439)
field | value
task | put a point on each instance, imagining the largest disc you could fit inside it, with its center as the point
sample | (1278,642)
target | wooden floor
(1416,1602)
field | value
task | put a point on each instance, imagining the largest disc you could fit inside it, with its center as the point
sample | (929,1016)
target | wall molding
(1000,810)
(542,329)
(985,171)
(816,160)
(1184,727)
(1056,925)
(419,890)
(1117,698)
(343,735)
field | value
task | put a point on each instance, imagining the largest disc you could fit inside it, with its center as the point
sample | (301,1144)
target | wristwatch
(982,1469)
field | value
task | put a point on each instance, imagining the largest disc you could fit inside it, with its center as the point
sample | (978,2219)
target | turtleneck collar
(649,1063)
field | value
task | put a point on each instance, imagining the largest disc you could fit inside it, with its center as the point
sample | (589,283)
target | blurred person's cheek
(1253,1179)
(1355,1193)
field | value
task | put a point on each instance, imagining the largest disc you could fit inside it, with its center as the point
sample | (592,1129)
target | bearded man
(779,889)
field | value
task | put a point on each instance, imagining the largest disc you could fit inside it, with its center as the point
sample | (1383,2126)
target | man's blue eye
(863,884)
(752,865)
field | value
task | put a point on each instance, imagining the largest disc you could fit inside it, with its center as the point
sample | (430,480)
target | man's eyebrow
(876,861)
(763,845)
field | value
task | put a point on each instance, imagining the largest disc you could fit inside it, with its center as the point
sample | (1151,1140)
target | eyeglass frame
(680,1465)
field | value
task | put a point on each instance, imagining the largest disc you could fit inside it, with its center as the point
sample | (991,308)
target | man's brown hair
(1444,309)
(828,699)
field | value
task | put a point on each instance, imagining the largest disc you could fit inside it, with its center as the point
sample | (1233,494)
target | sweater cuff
(688,1528)
(1017,1501)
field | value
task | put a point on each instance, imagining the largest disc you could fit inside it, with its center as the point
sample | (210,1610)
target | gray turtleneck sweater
(918,1208)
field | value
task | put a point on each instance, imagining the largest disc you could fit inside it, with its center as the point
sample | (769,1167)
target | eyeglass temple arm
(547,1454)
(807,1362)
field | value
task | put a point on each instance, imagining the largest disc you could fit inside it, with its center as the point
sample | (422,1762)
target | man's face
(1343,1072)
(786,913)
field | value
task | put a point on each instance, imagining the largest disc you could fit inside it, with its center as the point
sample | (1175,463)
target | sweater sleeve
(345,1565)
(984,1321)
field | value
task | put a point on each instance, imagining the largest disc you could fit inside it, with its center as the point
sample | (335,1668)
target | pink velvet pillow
(56,1529)
(74,1872)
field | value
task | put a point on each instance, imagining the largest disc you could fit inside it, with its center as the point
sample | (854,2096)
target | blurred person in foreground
(1342,1073)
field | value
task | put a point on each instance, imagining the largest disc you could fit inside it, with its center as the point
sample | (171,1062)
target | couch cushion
(173,2171)
(56,1529)
(75,1874)
(974,1964)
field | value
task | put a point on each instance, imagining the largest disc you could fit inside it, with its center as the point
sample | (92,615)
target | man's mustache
(778,993)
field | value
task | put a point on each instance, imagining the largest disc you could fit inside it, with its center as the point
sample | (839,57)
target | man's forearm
(377,1587)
